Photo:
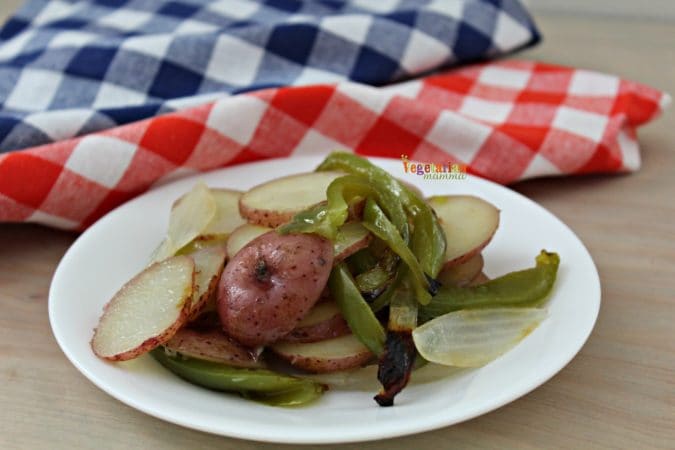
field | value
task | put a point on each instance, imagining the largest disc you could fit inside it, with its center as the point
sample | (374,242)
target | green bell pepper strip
(384,299)
(292,397)
(312,220)
(425,239)
(373,279)
(525,288)
(403,307)
(431,255)
(377,223)
(255,383)
(363,260)
(392,196)
(350,163)
(393,189)
(325,219)
(340,193)
(428,242)
(355,310)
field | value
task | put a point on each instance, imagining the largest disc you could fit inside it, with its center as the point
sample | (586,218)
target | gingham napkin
(71,67)
(506,121)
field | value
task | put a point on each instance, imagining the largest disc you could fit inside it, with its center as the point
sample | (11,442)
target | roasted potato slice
(147,311)
(332,355)
(242,236)
(468,222)
(276,202)
(461,274)
(209,264)
(324,321)
(212,345)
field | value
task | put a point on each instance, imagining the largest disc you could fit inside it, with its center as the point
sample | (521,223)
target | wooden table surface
(619,392)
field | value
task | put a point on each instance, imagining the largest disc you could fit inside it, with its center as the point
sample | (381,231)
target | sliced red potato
(332,355)
(212,345)
(147,311)
(322,311)
(227,217)
(481,278)
(324,321)
(242,235)
(468,222)
(461,274)
(209,263)
(276,202)
(208,320)
(351,237)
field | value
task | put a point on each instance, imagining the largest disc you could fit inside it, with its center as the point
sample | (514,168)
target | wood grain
(619,392)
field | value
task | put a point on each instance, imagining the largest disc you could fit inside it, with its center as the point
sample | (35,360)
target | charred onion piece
(395,366)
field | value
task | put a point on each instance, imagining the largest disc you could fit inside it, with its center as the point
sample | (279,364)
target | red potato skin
(212,345)
(271,284)
(349,251)
(470,254)
(152,342)
(334,327)
(147,345)
(320,365)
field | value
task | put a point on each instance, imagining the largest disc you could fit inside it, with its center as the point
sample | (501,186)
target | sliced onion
(226,218)
(472,338)
(190,215)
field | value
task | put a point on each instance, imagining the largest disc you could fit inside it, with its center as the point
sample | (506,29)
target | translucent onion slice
(165,250)
(472,338)
(226,218)
(190,215)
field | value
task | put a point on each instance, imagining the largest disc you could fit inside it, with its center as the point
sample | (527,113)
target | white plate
(118,246)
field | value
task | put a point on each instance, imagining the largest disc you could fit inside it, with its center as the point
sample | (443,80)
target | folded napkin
(70,67)
(505,121)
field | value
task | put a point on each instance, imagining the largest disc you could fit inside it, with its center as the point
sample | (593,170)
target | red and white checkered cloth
(506,121)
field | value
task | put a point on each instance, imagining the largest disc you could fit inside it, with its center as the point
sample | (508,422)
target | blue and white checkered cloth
(71,67)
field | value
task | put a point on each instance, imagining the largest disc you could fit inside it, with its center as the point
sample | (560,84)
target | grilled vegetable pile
(322,272)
